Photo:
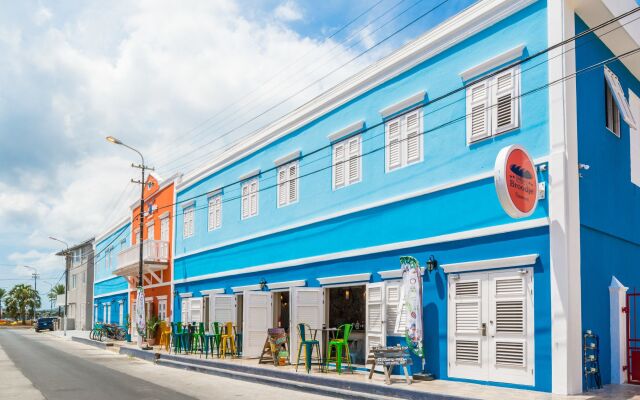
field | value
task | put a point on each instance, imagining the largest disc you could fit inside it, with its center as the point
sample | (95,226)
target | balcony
(155,257)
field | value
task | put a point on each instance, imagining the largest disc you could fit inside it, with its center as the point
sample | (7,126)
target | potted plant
(152,325)
(128,325)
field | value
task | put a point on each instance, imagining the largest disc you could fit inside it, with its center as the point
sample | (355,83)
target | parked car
(44,323)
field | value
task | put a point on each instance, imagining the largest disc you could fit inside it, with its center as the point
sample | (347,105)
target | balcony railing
(154,253)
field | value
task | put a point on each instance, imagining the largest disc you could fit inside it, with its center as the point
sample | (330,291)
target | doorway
(281,307)
(347,305)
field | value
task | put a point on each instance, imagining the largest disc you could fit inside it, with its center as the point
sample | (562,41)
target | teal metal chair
(308,342)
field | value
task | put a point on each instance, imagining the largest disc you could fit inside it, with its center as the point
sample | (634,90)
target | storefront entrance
(281,312)
(347,305)
(490,333)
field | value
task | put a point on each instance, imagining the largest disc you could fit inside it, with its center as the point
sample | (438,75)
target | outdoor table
(327,334)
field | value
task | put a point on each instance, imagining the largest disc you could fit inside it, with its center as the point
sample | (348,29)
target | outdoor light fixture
(432,264)
(346,294)
(113,140)
(263,283)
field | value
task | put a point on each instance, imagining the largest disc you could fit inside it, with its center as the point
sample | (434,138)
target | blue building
(305,220)
(111,292)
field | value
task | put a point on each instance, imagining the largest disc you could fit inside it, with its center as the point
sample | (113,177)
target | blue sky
(170,79)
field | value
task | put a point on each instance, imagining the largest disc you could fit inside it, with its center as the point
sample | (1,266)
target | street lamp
(66,279)
(35,275)
(140,296)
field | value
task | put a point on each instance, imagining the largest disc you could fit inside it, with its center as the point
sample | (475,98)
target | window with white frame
(403,143)
(151,232)
(616,103)
(188,214)
(162,309)
(347,162)
(164,229)
(74,281)
(288,184)
(250,198)
(493,105)
(215,212)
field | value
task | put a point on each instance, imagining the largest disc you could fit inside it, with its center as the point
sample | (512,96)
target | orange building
(157,249)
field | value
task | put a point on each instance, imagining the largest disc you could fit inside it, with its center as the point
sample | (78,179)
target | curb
(285,384)
(137,353)
(94,343)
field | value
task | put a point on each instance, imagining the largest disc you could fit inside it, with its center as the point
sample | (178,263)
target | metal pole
(66,286)
(140,261)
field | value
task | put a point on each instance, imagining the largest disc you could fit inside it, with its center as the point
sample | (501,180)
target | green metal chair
(176,337)
(197,340)
(308,343)
(341,345)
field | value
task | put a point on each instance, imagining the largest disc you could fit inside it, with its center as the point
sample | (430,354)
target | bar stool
(228,340)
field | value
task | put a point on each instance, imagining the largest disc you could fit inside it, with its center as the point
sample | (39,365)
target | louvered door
(467,340)
(307,307)
(491,336)
(510,334)
(257,317)
(376,330)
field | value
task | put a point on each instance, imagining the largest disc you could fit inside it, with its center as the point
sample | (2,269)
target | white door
(222,309)
(307,306)
(108,313)
(376,329)
(257,317)
(491,326)
(184,310)
(151,232)
(120,314)
(195,309)
(164,229)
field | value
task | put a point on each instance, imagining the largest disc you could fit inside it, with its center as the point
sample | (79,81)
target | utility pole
(35,276)
(140,295)
(66,279)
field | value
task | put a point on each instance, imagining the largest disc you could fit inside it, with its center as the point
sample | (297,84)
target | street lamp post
(66,279)
(142,167)
(35,276)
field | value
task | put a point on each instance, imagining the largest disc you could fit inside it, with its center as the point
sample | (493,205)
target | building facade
(305,220)
(157,240)
(111,292)
(80,285)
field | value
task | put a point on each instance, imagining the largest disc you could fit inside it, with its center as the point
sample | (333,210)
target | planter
(127,337)
(151,341)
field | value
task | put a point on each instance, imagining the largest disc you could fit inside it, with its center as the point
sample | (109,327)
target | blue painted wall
(435,287)
(609,202)
(109,286)
(446,154)
(106,262)
(112,302)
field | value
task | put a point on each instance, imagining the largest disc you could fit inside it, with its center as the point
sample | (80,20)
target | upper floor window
(347,166)
(215,212)
(164,229)
(74,281)
(188,214)
(404,140)
(616,103)
(151,232)
(492,105)
(250,198)
(288,184)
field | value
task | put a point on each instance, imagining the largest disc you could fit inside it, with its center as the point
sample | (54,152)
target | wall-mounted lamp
(432,264)
(263,284)
(346,294)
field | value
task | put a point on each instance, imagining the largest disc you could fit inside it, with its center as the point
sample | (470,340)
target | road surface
(35,366)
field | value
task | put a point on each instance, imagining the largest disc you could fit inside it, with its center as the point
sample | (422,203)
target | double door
(490,332)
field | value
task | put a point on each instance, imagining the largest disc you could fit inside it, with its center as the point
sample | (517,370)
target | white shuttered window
(189,223)
(404,138)
(250,198)
(288,184)
(347,162)
(215,212)
(493,105)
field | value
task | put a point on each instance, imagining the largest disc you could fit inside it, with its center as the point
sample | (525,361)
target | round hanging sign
(516,181)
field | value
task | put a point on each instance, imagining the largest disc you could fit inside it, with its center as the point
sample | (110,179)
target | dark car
(44,323)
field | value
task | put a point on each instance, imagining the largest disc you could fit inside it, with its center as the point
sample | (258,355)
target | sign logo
(516,181)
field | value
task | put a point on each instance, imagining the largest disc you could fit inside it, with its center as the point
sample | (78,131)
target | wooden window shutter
(293,182)
(254,198)
(619,97)
(282,186)
(504,102)
(354,159)
(211,220)
(394,150)
(245,200)
(338,165)
(413,137)
(478,112)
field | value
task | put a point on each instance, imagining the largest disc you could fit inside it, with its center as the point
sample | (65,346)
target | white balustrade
(153,251)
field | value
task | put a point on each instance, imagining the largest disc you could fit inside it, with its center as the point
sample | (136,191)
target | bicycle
(97,332)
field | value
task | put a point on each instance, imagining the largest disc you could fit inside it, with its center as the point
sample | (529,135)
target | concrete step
(322,390)
(94,343)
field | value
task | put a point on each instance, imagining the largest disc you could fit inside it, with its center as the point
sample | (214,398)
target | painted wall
(112,302)
(609,201)
(446,156)
(106,261)
(435,287)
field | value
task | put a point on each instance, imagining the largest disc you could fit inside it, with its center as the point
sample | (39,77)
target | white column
(618,330)
(564,211)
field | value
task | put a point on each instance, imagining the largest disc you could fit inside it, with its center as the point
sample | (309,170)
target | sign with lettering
(516,181)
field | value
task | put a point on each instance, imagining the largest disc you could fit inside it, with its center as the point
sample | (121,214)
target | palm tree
(22,297)
(3,293)
(54,292)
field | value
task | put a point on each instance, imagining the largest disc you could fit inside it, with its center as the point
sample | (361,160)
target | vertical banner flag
(140,317)
(412,303)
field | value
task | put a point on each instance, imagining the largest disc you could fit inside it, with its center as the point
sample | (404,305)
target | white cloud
(145,73)
(288,11)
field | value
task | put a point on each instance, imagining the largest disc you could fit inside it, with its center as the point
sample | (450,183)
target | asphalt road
(39,366)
